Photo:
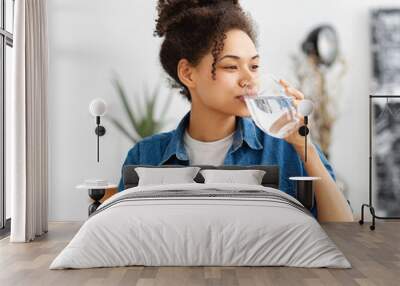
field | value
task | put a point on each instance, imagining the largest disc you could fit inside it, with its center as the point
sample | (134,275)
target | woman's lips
(241,97)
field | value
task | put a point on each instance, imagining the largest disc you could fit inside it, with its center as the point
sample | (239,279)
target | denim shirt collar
(245,131)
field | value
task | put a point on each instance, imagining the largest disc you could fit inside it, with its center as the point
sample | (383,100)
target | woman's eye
(254,67)
(230,67)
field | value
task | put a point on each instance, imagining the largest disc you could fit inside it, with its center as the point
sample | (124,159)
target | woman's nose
(247,81)
(243,83)
(249,84)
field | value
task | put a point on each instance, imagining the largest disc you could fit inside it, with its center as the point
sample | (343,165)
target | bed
(201,224)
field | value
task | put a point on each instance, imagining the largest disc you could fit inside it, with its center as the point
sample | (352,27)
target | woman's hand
(294,137)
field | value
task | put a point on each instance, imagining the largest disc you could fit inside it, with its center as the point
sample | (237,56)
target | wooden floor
(375,256)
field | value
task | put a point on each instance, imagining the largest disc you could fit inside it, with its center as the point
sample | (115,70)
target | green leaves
(143,121)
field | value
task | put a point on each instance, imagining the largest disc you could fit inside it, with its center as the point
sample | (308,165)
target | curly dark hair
(192,28)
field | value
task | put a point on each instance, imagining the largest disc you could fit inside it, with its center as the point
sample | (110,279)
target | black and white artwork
(385,29)
(385,37)
(387,157)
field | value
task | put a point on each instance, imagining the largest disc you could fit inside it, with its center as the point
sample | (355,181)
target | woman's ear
(186,73)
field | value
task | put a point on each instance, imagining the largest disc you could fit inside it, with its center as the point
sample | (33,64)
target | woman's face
(237,64)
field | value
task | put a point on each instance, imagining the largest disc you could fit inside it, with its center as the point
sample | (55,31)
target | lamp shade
(97,107)
(322,42)
(306,107)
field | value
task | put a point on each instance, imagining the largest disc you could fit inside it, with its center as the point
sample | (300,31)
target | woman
(209,51)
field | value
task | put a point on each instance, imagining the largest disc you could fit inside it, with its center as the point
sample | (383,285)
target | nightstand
(305,190)
(96,193)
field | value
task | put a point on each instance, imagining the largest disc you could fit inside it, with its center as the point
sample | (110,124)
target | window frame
(6,39)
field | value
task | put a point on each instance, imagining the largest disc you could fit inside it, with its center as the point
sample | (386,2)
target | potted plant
(142,119)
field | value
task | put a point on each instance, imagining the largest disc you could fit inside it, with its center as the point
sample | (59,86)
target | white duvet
(187,230)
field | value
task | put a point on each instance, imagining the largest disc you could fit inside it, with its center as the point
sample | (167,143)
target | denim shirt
(251,146)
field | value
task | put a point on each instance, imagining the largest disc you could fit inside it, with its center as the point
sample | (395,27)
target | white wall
(90,39)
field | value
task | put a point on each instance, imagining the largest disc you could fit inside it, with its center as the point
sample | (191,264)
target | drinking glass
(270,108)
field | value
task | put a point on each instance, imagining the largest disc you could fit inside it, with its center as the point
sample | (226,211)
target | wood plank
(374,255)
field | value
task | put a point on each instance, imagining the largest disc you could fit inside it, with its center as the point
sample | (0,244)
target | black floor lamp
(370,205)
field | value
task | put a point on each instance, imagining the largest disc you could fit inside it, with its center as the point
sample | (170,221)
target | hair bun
(171,12)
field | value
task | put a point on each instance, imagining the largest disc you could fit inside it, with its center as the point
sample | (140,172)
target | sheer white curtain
(27,122)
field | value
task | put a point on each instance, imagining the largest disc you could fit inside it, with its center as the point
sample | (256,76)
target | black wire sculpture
(386,110)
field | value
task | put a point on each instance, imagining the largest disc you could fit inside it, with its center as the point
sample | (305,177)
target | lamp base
(303,130)
(100,130)
(96,195)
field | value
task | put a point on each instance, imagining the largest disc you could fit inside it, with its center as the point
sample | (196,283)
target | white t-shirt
(207,153)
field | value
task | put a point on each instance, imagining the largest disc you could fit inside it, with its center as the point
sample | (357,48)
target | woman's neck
(209,125)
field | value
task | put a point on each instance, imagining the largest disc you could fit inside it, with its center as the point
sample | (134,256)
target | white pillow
(162,176)
(249,177)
